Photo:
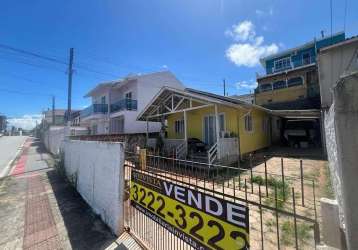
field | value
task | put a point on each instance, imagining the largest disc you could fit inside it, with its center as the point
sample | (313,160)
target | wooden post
(185,126)
(143,159)
(217,130)
(147,132)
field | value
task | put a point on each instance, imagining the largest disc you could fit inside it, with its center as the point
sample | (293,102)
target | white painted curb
(7,169)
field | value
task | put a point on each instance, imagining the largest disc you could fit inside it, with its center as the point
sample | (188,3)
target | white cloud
(246,84)
(242,32)
(262,13)
(249,47)
(26,122)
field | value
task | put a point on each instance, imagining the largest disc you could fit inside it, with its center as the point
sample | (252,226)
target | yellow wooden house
(230,128)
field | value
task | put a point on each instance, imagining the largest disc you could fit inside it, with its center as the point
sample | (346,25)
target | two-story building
(55,117)
(291,79)
(291,83)
(116,104)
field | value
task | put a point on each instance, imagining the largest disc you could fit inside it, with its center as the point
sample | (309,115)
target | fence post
(302,186)
(294,216)
(143,159)
(251,175)
(277,225)
(246,193)
(266,177)
(283,179)
(262,230)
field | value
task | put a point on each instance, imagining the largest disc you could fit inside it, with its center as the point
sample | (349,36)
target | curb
(9,167)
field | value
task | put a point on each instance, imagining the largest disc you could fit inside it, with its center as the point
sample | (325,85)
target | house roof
(198,95)
(121,81)
(345,42)
(99,87)
(303,46)
(194,94)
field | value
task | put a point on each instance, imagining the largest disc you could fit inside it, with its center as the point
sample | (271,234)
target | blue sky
(192,38)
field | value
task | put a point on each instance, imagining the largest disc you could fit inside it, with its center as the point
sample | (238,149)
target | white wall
(98,168)
(55,135)
(331,145)
(331,65)
(144,89)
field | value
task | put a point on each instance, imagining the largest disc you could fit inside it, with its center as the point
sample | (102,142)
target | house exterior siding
(118,114)
(300,62)
(234,123)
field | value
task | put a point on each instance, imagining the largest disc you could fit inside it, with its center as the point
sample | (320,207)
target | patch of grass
(258,180)
(328,188)
(270,223)
(287,229)
(312,174)
(283,192)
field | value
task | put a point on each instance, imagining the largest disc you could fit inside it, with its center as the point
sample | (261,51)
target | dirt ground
(308,190)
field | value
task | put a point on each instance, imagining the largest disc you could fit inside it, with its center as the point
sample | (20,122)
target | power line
(12,75)
(90,69)
(24,93)
(34,65)
(32,54)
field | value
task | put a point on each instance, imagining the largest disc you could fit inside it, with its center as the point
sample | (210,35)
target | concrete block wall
(97,168)
(335,169)
(53,137)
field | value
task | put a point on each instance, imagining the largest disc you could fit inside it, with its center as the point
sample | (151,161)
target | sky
(201,41)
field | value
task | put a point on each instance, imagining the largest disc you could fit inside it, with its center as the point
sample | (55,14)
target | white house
(116,104)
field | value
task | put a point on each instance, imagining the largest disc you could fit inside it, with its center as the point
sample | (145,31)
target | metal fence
(280,216)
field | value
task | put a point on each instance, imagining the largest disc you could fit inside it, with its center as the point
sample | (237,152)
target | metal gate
(278,214)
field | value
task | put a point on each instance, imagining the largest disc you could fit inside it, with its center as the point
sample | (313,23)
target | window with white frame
(248,123)
(179,126)
(283,63)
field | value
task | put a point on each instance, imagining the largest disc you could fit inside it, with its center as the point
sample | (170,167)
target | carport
(296,128)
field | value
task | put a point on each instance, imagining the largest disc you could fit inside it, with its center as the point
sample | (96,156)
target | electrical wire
(80,66)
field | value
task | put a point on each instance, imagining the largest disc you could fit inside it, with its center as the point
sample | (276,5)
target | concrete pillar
(345,95)
(330,223)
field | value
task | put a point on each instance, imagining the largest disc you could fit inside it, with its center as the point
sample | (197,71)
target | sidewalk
(40,210)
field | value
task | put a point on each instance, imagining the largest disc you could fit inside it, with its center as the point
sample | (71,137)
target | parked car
(296,132)
(195,145)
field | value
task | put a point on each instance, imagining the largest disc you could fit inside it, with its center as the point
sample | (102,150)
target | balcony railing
(294,64)
(94,109)
(125,104)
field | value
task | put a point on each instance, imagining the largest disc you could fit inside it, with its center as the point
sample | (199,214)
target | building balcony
(279,68)
(94,109)
(124,104)
(293,64)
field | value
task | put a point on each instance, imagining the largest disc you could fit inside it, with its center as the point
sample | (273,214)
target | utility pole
(224,86)
(53,110)
(70,71)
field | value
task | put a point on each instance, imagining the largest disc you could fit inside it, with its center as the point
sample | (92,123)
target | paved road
(8,149)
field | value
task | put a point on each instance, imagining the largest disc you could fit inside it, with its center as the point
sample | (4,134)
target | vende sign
(201,220)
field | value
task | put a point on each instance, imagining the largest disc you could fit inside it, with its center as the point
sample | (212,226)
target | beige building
(333,63)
